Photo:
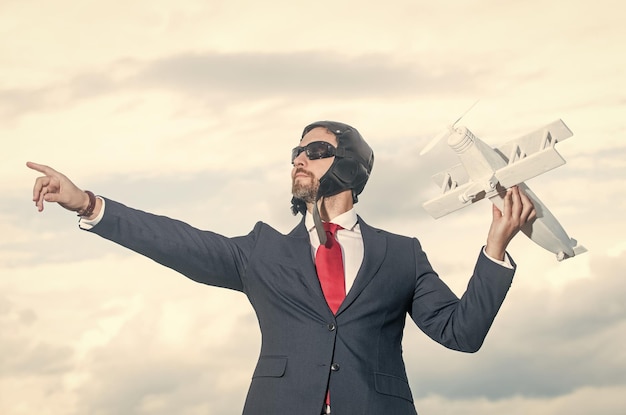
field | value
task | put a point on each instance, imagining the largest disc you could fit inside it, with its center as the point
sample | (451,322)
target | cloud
(182,376)
(228,78)
(25,353)
(124,340)
(606,401)
(315,73)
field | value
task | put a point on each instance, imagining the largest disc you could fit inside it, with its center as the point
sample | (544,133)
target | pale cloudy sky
(190,108)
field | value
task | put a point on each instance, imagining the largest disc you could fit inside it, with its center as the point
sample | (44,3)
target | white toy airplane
(487,172)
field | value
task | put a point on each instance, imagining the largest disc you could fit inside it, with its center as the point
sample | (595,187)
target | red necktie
(329,264)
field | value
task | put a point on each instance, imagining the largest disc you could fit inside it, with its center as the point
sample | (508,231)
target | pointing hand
(56,187)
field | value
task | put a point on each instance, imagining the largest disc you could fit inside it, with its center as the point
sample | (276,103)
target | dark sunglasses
(315,150)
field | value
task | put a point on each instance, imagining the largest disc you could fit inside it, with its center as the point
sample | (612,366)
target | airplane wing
(532,154)
(458,192)
(451,178)
(554,132)
(452,200)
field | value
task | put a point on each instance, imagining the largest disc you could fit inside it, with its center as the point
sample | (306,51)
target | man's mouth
(302,173)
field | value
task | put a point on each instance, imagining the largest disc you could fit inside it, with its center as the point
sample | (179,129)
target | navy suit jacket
(305,349)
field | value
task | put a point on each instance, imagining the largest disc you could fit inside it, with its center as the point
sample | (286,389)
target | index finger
(49,171)
(508,202)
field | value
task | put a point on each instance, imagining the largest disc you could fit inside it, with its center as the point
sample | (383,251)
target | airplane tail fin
(578,249)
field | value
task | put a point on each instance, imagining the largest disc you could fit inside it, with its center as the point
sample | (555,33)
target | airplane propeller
(445,133)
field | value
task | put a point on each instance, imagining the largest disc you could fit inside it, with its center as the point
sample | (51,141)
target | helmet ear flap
(343,174)
(346,170)
(360,179)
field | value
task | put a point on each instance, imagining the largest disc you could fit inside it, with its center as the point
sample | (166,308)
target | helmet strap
(317,220)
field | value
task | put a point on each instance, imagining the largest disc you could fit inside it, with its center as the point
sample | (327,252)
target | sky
(190,108)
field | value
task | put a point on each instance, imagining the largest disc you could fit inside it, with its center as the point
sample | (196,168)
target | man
(328,344)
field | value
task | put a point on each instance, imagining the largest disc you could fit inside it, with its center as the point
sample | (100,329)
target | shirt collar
(346,220)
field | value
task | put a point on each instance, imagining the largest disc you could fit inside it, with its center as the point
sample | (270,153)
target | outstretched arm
(518,209)
(56,187)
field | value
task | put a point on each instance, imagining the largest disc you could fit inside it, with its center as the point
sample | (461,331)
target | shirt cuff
(87,224)
(506,263)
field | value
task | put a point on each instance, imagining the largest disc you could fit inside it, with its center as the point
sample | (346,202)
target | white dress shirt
(349,238)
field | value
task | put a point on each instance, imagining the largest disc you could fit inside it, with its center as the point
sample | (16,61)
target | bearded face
(305,185)
(306,172)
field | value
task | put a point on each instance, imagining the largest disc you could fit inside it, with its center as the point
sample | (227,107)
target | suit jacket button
(334,367)
(331,327)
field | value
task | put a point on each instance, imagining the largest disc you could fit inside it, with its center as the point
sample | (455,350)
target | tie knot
(332,228)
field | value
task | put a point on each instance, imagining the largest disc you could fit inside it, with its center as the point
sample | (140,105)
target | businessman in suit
(331,300)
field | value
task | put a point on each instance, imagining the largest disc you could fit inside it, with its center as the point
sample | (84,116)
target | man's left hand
(518,209)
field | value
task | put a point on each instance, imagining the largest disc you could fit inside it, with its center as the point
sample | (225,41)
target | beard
(305,188)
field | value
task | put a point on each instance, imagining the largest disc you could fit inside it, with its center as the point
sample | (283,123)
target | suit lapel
(302,249)
(374,248)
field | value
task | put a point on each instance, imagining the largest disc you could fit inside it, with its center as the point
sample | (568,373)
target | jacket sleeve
(203,256)
(459,324)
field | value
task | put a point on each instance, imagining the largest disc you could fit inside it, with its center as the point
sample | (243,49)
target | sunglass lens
(296,152)
(317,150)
